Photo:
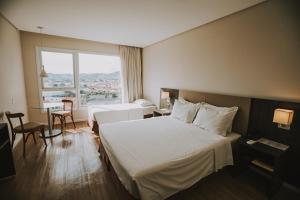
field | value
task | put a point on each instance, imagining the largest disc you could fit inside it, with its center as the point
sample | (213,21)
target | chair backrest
(11,116)
(68,105)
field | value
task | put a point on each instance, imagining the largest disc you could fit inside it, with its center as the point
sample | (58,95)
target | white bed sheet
(117,112)
(157,157)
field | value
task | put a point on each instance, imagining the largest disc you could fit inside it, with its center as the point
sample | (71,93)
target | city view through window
(98,81)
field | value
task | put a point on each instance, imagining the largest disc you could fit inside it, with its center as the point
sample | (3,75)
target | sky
(62,63)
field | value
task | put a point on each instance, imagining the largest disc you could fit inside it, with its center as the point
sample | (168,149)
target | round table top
(48,105)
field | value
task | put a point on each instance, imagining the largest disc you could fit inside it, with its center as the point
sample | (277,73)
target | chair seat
(28,127)
(62,113)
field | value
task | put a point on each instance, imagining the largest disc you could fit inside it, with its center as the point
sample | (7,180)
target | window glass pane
(59,67)
(54,98)
(99,79)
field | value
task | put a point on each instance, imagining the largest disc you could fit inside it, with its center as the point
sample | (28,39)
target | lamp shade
(43,73)
(283,116)
(165,95)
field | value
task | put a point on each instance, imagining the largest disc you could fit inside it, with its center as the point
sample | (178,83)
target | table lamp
(283,118)
(166,97)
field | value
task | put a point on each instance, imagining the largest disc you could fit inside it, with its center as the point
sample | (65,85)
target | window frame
(76,88)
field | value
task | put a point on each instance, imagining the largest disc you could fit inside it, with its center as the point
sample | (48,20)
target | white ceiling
(128,22)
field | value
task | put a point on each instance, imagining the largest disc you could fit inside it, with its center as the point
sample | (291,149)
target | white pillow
(215,120)
(143,102)
(222,109)
(182,100)
(184,111)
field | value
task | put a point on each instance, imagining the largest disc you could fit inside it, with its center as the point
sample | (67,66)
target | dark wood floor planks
(70,168)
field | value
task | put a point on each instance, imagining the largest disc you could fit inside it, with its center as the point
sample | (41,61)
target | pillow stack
(215,119)
(209,117)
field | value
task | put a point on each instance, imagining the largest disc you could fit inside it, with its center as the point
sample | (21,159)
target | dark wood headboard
(240,123)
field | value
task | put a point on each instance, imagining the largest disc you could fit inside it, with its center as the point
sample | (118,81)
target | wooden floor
(70,168)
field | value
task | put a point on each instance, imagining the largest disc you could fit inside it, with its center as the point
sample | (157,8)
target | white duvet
(162,155)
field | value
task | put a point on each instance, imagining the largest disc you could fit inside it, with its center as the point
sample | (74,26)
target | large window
(99,79)
(85,78)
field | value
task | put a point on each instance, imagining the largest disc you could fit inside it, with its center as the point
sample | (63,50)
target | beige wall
(29,43)
(251,53)
(12,87)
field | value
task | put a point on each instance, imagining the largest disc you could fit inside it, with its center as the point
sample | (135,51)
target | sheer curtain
(131,68)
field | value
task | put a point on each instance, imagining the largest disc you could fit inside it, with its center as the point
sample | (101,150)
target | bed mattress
(157,157)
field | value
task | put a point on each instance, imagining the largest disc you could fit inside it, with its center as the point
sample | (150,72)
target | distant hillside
(85,77)
(100,76)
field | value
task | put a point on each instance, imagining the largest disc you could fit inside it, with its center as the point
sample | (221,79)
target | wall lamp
(283,118)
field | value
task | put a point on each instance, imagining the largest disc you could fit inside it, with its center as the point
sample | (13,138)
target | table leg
(49,121)
(51,132)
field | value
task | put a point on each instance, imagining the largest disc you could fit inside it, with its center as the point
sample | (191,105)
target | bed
(160,156)
(157,157)
(117,112)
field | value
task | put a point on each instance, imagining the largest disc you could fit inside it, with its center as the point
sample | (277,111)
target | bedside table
(161,112)
(265,160)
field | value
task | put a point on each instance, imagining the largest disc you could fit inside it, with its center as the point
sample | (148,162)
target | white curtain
(131,68)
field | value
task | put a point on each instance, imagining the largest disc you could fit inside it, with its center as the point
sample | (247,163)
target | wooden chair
(63,114)
(29,128)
